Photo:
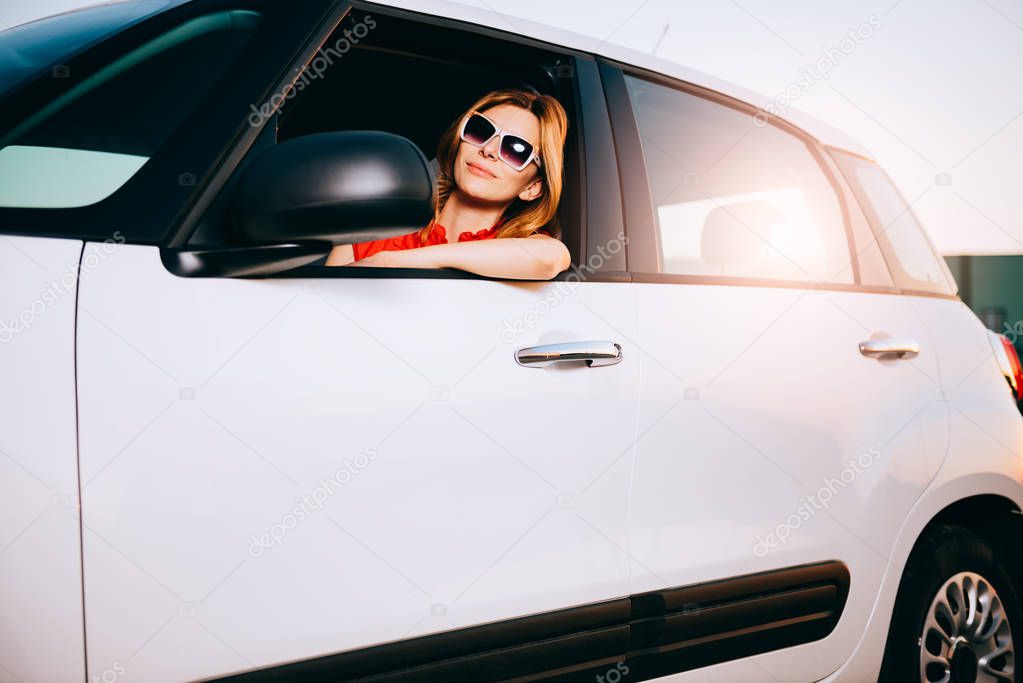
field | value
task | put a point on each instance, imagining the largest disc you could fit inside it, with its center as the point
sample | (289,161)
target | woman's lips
(479,170)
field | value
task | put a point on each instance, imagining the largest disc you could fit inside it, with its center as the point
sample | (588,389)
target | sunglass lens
(477,130)
(515,150)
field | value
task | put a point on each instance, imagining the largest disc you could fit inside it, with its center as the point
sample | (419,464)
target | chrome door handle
(889,348)
(595,353)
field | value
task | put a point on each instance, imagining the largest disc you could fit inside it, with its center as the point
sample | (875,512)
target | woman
(500,168)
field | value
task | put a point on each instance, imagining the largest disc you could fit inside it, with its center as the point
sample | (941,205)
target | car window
(86,143)
(45,44)
(444,68)
(868,261)
(734,198)
(914,262)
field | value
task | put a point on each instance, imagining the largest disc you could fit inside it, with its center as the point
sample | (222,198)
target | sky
(934,91)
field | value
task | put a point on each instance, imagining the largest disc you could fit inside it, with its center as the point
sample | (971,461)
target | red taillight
(1015,374)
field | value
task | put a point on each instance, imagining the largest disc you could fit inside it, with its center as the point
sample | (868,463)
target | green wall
(988,282)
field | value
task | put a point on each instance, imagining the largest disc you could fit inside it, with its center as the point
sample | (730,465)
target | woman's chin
(479,192)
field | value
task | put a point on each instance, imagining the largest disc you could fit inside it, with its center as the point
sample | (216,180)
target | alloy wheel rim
(967,637)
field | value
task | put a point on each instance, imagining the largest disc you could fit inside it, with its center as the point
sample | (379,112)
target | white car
(752,434)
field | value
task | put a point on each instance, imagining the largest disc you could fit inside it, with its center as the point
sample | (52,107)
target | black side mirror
(337,187)
(297,199)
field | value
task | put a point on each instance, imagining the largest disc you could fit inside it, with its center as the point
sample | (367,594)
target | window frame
(170,223)
(891,257)
(585,125)
(644,248)
(852,203)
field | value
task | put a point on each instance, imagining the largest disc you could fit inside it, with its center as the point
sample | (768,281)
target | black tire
(945,552)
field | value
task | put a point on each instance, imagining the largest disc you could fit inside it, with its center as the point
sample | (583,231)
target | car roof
(821,131)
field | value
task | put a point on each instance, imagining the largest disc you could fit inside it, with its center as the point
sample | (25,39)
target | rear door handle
(595,353)
(889,348)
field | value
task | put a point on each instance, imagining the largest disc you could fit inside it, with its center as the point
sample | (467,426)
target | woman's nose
(492,147)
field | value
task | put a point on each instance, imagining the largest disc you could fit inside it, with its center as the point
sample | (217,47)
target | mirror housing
(339,187)
(252,261)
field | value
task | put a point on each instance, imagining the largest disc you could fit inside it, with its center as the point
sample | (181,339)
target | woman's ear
(532,191)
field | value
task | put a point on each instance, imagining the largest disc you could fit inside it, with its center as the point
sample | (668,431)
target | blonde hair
(521,219)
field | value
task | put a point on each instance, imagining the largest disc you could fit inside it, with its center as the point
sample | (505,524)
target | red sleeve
(361,250)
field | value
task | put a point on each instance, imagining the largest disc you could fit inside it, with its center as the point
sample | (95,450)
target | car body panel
(212,407)
(770,441)
(41,634)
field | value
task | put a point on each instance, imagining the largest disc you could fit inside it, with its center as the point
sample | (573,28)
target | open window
(390,72)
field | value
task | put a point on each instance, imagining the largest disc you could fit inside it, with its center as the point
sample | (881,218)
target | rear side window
(79,148)
(733,198)
(914,263)
(867,262)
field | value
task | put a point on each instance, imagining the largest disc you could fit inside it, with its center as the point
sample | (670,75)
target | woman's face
(481,175)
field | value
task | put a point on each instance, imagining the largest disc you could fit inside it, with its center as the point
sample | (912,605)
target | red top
(436,235)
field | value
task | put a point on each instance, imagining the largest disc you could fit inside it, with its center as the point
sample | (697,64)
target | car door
(41,634)
(777,448)
(274,470)
(57,174)
(279,469)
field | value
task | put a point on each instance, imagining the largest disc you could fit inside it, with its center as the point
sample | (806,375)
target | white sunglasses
(513,150)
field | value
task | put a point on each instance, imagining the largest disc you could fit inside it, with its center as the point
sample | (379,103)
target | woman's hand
(341,255)
(537,257)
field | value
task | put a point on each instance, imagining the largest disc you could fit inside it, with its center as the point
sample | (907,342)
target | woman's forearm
(512,258)
(341,255)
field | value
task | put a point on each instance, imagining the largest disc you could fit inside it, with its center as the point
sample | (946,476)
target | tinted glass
(86,143)
(914,262)
(43,45)
(734,198)
(868,261)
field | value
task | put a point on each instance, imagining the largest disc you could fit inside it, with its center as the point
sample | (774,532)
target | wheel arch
(962,500)
(988,504)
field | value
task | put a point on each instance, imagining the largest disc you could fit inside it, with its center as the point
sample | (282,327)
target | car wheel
(957,617)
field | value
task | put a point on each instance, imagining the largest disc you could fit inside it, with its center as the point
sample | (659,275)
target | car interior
(410,79)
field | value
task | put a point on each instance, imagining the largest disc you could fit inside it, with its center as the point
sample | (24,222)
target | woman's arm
(520,258)
(341,255)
